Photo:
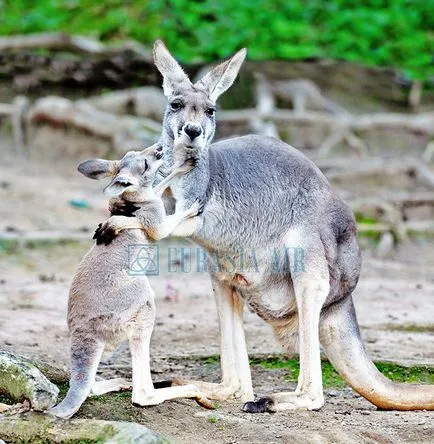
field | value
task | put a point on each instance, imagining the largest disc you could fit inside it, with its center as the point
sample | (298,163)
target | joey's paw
(200,205)
(120,207)
(104,234)
(189,164)
(260,405)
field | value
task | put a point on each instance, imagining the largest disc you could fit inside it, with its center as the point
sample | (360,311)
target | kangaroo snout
(123,181)
(192,130)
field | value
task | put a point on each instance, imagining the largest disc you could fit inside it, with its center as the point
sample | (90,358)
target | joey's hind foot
(216,392)
(110,385)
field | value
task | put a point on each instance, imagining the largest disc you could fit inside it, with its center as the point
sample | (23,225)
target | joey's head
(132,176)
(189,120)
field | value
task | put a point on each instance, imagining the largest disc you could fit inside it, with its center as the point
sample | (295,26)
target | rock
(4,408)
(27,427)
(21,380)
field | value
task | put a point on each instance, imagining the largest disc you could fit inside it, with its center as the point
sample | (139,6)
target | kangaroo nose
(192,131)
(159,152)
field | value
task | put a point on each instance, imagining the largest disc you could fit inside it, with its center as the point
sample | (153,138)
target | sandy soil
(394,299)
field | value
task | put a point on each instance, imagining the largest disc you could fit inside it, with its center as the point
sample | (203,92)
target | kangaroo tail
(340,337)
(85,356)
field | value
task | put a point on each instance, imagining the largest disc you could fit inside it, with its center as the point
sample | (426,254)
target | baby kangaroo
(106,302)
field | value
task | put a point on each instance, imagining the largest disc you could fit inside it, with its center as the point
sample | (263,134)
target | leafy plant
(397,33)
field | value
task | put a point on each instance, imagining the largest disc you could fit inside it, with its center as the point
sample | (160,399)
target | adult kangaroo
(260,197)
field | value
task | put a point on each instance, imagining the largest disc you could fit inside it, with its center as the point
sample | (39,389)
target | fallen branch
(62,41)
(148,101)
(422,123)
(380,167)
(16,112)
(125,132)
(265,105)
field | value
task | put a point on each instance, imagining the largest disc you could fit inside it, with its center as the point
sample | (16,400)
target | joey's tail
(85,356)
(340,337)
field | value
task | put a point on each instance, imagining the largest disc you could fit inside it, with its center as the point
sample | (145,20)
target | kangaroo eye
(176,106)
(210,111)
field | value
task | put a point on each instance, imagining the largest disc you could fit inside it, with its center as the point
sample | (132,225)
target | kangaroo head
(190,115)
(132,176)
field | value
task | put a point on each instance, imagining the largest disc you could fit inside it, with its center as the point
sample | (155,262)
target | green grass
(411,328)
(213,419)
(33,254)
(118,406)
(331,378)
(396,33)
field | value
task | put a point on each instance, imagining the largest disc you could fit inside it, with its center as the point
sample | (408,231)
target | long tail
(340,337)
(85,356)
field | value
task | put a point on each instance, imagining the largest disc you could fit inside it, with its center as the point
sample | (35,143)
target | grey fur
(260,194)
(107,303)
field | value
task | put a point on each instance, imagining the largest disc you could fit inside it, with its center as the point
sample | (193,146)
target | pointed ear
(220,78)
(173,75)
(98,168)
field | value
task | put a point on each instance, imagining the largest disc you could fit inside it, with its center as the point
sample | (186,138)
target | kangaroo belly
(273,303)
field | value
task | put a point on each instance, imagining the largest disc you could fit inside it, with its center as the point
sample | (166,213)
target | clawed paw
(120,207)
(104,234)
(199,204)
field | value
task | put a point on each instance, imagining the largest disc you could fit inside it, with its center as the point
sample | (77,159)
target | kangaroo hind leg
(110,385)
(85,356)
(310,277)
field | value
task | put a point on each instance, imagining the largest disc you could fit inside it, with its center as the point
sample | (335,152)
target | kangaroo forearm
(166,227)
(120,223)
(179,171)
(186,228)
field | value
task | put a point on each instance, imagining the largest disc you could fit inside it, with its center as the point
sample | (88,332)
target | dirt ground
(394,302)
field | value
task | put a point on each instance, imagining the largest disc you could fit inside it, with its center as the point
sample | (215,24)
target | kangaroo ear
(220,78)
(98,168)
(173,75)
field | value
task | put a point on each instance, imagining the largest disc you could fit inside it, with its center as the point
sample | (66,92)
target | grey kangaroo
(106,302)
(262,196)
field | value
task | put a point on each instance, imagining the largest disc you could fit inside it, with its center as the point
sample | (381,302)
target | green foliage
(331,378)
(398,33)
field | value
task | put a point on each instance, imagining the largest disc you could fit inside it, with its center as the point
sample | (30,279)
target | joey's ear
(220,78)
(173,75)
(98,168)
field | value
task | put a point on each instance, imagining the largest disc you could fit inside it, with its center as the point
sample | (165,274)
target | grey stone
(27,427)
(20,380)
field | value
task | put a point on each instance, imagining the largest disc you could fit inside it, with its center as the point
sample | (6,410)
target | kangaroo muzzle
(192,130)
